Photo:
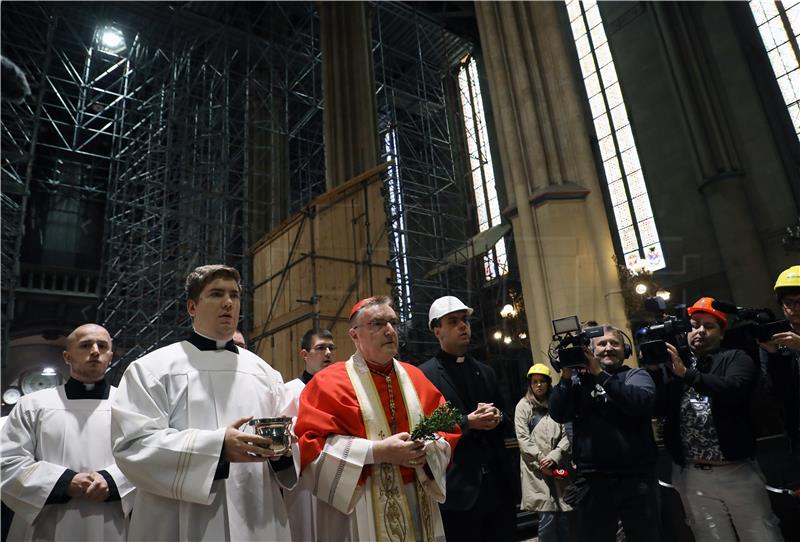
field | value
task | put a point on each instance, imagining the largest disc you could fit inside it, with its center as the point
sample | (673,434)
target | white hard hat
(446,305)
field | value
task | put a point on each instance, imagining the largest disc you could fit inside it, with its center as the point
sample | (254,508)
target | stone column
(721,175)
(351,139)
(561,230)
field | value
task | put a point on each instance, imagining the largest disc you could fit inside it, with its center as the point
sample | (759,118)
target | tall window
(633,215)
(495,262)
(397,218)
(779,25)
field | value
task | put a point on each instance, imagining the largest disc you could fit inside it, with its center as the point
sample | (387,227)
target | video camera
(570,342)
(753,325)
(669,328)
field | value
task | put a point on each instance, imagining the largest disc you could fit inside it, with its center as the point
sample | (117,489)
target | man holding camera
(610,406)
(709,434)
(781,355)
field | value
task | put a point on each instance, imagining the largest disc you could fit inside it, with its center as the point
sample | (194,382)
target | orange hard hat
(704,304)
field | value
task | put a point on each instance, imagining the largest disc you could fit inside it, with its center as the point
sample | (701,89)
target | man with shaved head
(58,473)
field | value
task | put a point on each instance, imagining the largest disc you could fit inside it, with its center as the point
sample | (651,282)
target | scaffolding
(202,130)
(216,111)
(55,147)
(205,132)
(428,206)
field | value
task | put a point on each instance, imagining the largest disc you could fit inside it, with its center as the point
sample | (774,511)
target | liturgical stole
(393,520)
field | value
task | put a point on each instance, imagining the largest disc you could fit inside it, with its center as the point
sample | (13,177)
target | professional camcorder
(753,325)
(568,349)
(669,328)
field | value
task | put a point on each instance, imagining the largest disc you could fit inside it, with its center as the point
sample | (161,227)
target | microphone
(15,86)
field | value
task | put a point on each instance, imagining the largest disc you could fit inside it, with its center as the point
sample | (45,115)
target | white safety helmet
(446,305)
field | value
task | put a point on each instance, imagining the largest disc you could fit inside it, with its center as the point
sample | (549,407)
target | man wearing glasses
(316,351)
(372,482)
(781,355)
(478,505)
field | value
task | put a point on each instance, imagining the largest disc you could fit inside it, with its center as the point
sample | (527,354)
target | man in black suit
(479,503)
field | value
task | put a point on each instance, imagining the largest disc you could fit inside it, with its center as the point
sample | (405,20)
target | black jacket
(727,377)
(783,376)
(611,427)
(477,451)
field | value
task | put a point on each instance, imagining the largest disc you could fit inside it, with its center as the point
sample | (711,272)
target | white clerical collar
(88,387)
(460,359)
(219,342)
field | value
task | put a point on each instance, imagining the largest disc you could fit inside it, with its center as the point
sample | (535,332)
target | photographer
(780,356)
(709,435)
(610,406)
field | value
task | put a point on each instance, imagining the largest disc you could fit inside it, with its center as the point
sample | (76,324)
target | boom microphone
(14,85)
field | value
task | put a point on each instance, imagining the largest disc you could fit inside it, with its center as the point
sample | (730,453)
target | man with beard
(610,406)
(708,432)
(478,505)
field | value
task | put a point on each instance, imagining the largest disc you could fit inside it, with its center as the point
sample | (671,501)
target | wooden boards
(311,269)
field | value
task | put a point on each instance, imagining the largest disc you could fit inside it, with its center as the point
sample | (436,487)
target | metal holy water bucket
(277,429)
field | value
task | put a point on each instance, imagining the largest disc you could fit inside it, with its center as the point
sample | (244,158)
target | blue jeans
(553,527)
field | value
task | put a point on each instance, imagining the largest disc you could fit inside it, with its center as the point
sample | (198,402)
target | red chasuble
(328,406)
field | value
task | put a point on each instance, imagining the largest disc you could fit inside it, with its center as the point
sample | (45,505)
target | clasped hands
(242,447)
(88,485)
(485,417)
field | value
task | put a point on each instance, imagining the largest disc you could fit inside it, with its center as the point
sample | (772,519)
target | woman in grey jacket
(543,450)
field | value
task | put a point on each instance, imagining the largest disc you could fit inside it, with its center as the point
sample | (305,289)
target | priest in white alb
(316,351)
(58,472)
(176,429)
(372,482)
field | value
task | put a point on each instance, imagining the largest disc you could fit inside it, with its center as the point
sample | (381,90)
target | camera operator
(709,435)
(610,406)
(780,356)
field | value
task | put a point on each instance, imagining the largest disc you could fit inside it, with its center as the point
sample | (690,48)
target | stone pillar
(351,139)
(561,230)
(721,174)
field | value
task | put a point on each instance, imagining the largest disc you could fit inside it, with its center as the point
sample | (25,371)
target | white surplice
(168,426)
(44,435)
(301,505)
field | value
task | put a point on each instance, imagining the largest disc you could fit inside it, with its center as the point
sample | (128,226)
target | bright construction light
(663,294)
(49,371)
(497,335)
(523,336)
(110,39)
(641,288)
(508,310)
(507,339)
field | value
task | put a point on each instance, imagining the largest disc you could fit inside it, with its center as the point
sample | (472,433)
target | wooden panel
(329,261)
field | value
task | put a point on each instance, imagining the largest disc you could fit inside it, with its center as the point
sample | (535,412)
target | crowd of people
(172,454)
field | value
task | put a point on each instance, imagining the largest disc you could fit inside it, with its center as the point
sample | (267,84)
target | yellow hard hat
(539,369)
(790,278)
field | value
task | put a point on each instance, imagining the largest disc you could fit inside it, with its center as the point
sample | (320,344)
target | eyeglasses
(377,325)
(323,347)
(791,304)
(539,383)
